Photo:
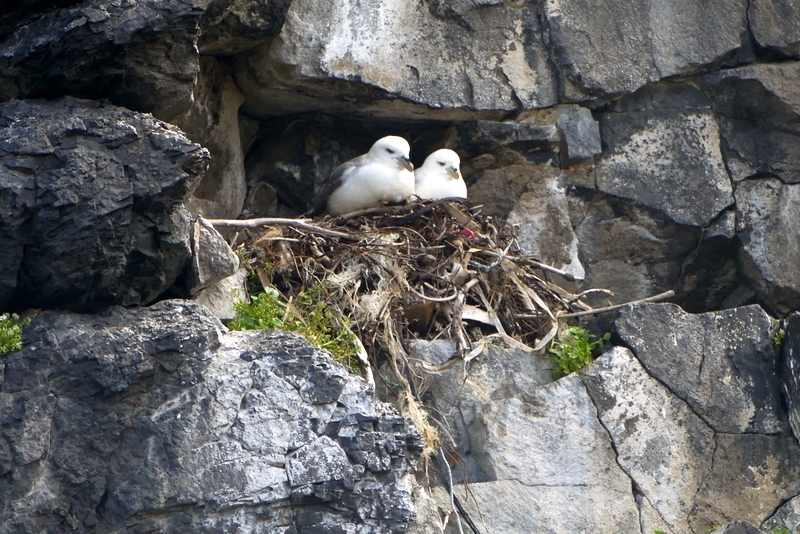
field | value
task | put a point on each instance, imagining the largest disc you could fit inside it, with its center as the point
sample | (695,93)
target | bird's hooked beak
(405,163)
(453,172)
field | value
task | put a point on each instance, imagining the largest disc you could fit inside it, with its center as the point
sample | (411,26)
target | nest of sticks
(426,270)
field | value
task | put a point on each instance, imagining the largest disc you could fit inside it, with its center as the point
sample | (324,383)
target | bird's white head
(392,148)
(444,160)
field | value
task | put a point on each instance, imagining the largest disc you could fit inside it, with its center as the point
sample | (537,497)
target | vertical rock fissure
(634,487)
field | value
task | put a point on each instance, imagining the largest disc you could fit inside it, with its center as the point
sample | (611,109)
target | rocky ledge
(160,420)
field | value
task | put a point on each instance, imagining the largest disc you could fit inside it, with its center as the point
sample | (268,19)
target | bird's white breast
(369,185)
(438,184)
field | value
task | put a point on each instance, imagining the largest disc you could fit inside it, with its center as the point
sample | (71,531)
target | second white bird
(440,176)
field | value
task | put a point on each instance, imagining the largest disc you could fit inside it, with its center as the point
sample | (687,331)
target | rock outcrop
(161,420)
(141,54)
(684,430)
(617,47)
(641,146)
(90,210)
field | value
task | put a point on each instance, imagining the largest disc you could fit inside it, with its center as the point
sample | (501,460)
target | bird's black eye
(442,163)
(390,151)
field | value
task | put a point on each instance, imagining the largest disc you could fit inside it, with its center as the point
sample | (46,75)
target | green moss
(11,332)
(574,351)
(308,315)
(777,340)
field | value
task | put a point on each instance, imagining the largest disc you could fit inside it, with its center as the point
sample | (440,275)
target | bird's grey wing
(332,182)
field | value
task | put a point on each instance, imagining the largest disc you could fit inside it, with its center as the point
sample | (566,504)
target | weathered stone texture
(629,249)
(213,121)
(767,215)
(664,151)
(140,54)
(91,211)
(541,215)
(158,419)
(611,47)
(662,445)
(776,25)
(212,258)
(232,26)
(790,371)
(487,57)
(727,371)
(758,108)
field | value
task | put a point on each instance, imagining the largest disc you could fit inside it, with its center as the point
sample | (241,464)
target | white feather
(440,176)
(379,177)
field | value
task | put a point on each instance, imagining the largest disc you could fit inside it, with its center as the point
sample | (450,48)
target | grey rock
(544,229)
(212,257)
(764,471)
(220,298)
(498,190)
(262,199)
(287,163)
(629,249)
(24,12)
(738,527)
(562,454)
(607,48)
(710,278)
(322,460)
(767,212)
(790,371)
(727,371)
(440,63)
(91,212)
(580,135)
(141,55)
(535,130)
(512,507)
(459,394)
(164,421)
(753,475)
(758,108)
(663,151)
(724,226)
(663,446)
(786,517)
(232,26)
(776,25)
(213,121)
(694,478)
(436,352)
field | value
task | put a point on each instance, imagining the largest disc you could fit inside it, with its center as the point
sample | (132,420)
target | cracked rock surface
(160,420)
(90,204)
(681,431)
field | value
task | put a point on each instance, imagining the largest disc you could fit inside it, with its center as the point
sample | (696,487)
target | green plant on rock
(574,350)
(11,332)
(777,340)
(308,315)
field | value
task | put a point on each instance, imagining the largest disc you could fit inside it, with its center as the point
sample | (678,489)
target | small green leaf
(574,351)
(11,332)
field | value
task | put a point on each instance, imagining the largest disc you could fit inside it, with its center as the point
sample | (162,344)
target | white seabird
(384,174)
(440,176)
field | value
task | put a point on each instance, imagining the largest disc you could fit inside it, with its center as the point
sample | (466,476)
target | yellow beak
(405,163)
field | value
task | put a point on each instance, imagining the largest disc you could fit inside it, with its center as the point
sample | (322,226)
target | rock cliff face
(640,146)
(160,420)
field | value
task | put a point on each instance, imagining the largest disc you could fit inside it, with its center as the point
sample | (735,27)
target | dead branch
(654,298)
(294,223)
